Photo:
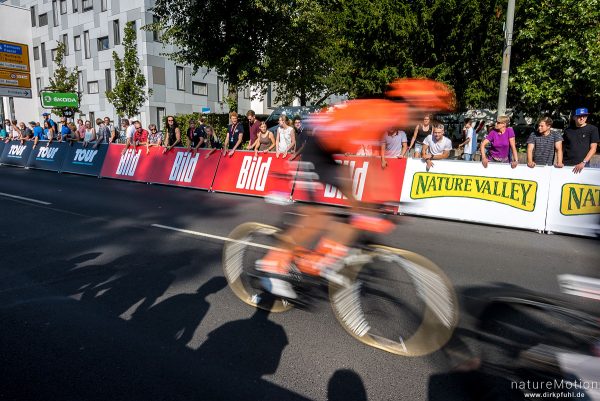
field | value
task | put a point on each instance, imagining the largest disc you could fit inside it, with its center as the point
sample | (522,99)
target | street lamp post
(508,33)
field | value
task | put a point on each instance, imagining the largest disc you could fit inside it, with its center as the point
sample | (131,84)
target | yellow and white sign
(17,79)
(14,56)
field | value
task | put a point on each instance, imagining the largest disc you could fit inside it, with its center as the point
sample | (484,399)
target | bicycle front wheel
(398,301)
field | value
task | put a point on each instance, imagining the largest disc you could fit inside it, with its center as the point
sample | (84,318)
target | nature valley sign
(520,194)
(578,199)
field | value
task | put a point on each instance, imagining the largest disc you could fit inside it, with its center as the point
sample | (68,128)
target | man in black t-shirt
(581,142)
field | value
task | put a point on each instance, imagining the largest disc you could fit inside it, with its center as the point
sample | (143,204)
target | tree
(63,80)
(129,92)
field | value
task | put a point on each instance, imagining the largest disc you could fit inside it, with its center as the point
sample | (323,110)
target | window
(180,79)
(86,44)
(65,40)
(80,81)
(53,54)
(103,43)
(77,43)
(103,5)
(108,78)
(33,18)
(116,32)
(93,87)
(36,53)
(63,6)
(199,88)
(247,93)
(155,34)
(220,89)
(38,82)
(160,118)
(75,5)
(55,12)
(43,50)
(88,5)
(43,19)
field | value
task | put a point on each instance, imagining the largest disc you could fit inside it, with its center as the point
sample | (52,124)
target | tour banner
(1,146)
(370,182)
(184,168)
(49,157)
(15,154)
(132,165)
(574,204)
(243,173)
(86,161)
(497,195)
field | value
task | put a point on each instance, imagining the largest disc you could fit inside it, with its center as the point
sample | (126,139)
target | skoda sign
(52,100)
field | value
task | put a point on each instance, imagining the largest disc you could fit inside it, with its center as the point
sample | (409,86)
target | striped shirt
(543,152)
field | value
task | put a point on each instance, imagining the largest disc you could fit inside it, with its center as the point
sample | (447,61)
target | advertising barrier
(85,161)
(574,204)
(243,173)
(133,165)
(1,146)
(49,157)
(183,168)
(370,182)
(467,191)
(15,154)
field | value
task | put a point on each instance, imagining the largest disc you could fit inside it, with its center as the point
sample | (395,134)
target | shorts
(318,165)
(418,147)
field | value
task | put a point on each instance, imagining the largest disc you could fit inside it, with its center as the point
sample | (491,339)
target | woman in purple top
(501,140)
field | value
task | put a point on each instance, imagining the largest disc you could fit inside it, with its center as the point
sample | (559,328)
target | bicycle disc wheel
(399,302)
(251,241)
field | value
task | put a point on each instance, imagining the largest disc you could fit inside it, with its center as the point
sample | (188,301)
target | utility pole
(508,36)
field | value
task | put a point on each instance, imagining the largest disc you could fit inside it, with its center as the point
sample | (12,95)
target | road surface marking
(26,199)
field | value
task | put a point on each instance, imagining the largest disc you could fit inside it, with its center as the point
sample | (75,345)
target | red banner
(184,168)
(370,183)
(243,173)
(134,165)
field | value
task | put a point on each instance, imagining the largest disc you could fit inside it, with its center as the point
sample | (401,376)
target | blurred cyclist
(343,130)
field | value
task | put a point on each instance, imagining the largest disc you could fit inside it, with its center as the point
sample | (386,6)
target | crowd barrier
(545,199)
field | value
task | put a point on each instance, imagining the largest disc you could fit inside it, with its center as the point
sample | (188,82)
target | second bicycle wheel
(250,242)
(399,302)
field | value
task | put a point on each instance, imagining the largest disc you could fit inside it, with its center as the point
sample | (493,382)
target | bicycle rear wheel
(250,242)
(399,302)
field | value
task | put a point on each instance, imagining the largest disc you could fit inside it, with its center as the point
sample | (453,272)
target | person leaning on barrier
(129,134)
(173,134)
(253,128)
(235,135)
(501,140)
(90,134)
(265,141)
(111,133)
(580,142)
(542,144)
(195,136)
(213,140)
(393,146)
(154,137)
(26,133)
(285,141)
(469,135)
(102,133)
(436,146)
(38,133)
(140,138)
(422,131)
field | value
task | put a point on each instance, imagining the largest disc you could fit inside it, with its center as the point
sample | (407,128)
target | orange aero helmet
(423,93)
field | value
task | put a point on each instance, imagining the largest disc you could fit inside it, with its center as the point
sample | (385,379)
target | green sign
(59,99)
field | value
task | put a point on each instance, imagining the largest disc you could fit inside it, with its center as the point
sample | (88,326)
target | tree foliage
(63,80)
(129,92)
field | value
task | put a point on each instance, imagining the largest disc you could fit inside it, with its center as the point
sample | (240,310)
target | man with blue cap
(580,142)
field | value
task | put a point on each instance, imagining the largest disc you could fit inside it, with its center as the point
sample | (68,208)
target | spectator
(285,141)
(235,135)
(421,132)
(393,146)
(74,134)
(81,129)
(196,137)
(541,145)
(65,132)
(26,133)
(265,140)
(13,130)
(111,133)
(140,137)
(580,142)
(102,133)
(129,134)
(213,140)
(436,146)
(38,133)
(469,136)
(253,127)
(3,133)
(90,134)
(501,140)
(154,138)
(53,128)
(301,137)
(173,137)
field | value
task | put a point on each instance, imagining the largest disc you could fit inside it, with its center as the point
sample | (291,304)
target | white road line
(25,199)
(181,230)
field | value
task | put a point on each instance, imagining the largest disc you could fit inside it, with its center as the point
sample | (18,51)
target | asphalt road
(96,303)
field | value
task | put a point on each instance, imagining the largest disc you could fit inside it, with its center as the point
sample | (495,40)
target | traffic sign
(13,78)
(52,100)
(14,56)
(15,92)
